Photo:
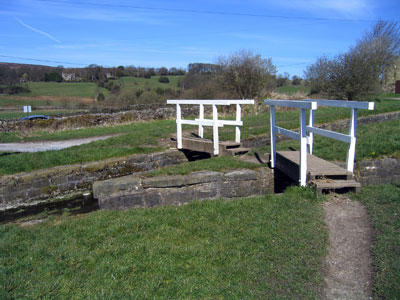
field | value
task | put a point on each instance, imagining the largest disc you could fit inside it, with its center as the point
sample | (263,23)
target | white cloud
(37,30)
(341,8)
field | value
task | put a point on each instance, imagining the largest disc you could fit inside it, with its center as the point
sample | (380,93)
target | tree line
(13,74)
(362,70)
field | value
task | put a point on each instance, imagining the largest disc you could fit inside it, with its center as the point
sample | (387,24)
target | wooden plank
(316,167)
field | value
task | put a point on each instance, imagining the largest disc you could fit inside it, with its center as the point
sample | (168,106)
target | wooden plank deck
(288,163)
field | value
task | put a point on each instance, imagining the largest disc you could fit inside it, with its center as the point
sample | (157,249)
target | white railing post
(273,139)
(238,119)
(201,117)
(303,148)
(351,151)
(179,126)
(215,129)
(310,140)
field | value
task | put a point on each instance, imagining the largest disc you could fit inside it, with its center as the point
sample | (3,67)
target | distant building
(110,76)
(69,77)
(390,77)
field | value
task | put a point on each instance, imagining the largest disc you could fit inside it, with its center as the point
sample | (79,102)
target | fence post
(310,140)
(201,117)
(303,148)
(215,129)
(351,151)
(179,126)
(238,119)
(273,140)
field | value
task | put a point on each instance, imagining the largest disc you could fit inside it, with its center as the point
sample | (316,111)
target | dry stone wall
(136,113)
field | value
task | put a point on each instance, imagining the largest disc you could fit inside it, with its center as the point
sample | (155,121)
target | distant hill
(17,65)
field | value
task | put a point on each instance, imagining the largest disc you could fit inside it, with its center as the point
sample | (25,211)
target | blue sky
(175,33)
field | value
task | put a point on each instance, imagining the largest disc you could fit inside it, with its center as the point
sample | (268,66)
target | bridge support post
(179,126)
(351,151)
(273,138)
(303,148)
(310,140)
(201,117)
(238,119)
(215,130)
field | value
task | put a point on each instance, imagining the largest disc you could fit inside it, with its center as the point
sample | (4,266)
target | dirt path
(48,145)
(348,265)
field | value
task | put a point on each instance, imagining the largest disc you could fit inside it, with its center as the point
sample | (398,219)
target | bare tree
(247,74)
(358,72)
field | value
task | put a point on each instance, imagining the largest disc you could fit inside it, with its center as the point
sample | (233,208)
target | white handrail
(214,122)
(306,142)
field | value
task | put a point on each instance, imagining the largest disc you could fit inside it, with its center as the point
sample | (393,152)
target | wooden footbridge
(214,146)
(301,166)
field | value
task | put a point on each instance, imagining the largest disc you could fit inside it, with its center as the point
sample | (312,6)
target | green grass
(62,89)
(383,205)
(218,164)
(268,247)
(259,124)
(6,115)
(138,138)
(292,89)
(373,141)
(135,83)
(9,100)
(134,136)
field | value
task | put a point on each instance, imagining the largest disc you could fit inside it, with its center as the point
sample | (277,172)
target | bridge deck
(288,163)
(206,146)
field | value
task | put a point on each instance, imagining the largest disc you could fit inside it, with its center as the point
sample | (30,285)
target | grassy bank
(373,141)
(383,205)
(134,138)
(256,248)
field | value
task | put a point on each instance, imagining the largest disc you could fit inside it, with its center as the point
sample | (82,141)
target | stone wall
(133,191)
(27,189)
(380,171)
(102,117)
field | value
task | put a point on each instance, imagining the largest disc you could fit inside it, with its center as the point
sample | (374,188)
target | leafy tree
(296,80)
(281,80)
(247,74)
(163,79)
(163,71)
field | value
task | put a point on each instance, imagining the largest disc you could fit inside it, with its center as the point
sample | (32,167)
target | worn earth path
(348,267)
(48,145)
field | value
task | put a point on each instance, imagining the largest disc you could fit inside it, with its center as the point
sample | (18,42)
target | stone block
(116,186)
(241,175)
(122,202)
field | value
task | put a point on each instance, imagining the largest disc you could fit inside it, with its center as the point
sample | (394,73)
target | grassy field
(373,141)
(383,205)
(267,247)
(293,89)
(71,94)
(62,89)
(135,83)
(259,124)
(134,138)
